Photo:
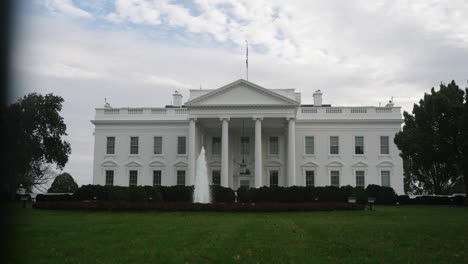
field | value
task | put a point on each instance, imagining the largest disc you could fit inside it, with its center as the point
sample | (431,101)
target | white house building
(253,136)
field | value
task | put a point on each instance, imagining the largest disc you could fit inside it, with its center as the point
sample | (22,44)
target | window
(360,178)
(181,146)
(273,178)
(216,177)
(274,147)
(309,176)
(110,148)
(180,177)
(359,145)
(245,146)
(133,145)
(157,145)
(334,145)
(216,146)
(156,177)
(384,146)
(109,177)
(385,178)
(133,178)
(335,178)
(309,145)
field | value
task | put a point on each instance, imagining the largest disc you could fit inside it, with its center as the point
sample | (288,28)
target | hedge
(55,197)
(301,194)
(179,193)
(431,200)
(188,206)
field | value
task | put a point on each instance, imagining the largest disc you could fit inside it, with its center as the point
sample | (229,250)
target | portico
(245,141)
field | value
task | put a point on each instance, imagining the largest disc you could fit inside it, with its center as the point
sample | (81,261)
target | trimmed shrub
(329,194)
(54,198)
(431,200)
(383,195)
(176,193)
(137,194)
(152,193)
(118,193)
(220,194)
(245,194)
(188,206)
(404,199)
(360,194)
(293,194)
(92,192)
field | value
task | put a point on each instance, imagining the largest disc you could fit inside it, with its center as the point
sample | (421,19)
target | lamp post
(371,200)
(22,194)
(352,201)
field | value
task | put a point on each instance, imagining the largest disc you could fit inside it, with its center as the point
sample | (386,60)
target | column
(258,153)
(291,152)
(192,155)
(225,152)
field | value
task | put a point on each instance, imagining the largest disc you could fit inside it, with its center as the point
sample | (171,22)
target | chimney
(318,98)
(177,99)
(390,103)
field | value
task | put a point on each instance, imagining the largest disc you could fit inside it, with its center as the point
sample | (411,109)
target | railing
(135,111)
(383,110)
(333,110)
(358,110)
(111,111)
(351,112)
(141,113)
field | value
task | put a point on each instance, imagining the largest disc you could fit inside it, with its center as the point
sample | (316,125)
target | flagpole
(247,59)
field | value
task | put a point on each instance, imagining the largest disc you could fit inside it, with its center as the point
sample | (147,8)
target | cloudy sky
(136,52)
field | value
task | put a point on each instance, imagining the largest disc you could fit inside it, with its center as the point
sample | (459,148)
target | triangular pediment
(335,164)
(309,164)
(133,164)
(242,93)
(360,164)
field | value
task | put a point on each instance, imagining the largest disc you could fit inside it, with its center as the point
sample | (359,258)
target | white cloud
(135,11)
(66,7)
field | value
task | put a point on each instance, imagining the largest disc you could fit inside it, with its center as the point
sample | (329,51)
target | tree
(63,183)
(34,140)
(464,140)
(430,140)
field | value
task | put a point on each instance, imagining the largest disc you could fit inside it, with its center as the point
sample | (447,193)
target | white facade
(277,127)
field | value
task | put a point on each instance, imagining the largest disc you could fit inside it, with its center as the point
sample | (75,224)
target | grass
(387,235)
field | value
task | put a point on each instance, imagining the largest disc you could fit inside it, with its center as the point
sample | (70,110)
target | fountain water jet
(201,193)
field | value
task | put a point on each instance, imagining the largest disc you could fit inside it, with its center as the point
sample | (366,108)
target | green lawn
(386,235)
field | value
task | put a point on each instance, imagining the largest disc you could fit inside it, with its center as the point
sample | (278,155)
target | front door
(244,183)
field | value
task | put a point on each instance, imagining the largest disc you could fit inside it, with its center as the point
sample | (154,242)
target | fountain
(201,193)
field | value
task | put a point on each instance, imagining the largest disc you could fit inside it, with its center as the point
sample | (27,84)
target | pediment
(180,164)
(242,93)
(109,163)
(215,163)
(309,164)
(133,164)
(157,163)
(385,164)
(335,164)
(360,164)
(273,164)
